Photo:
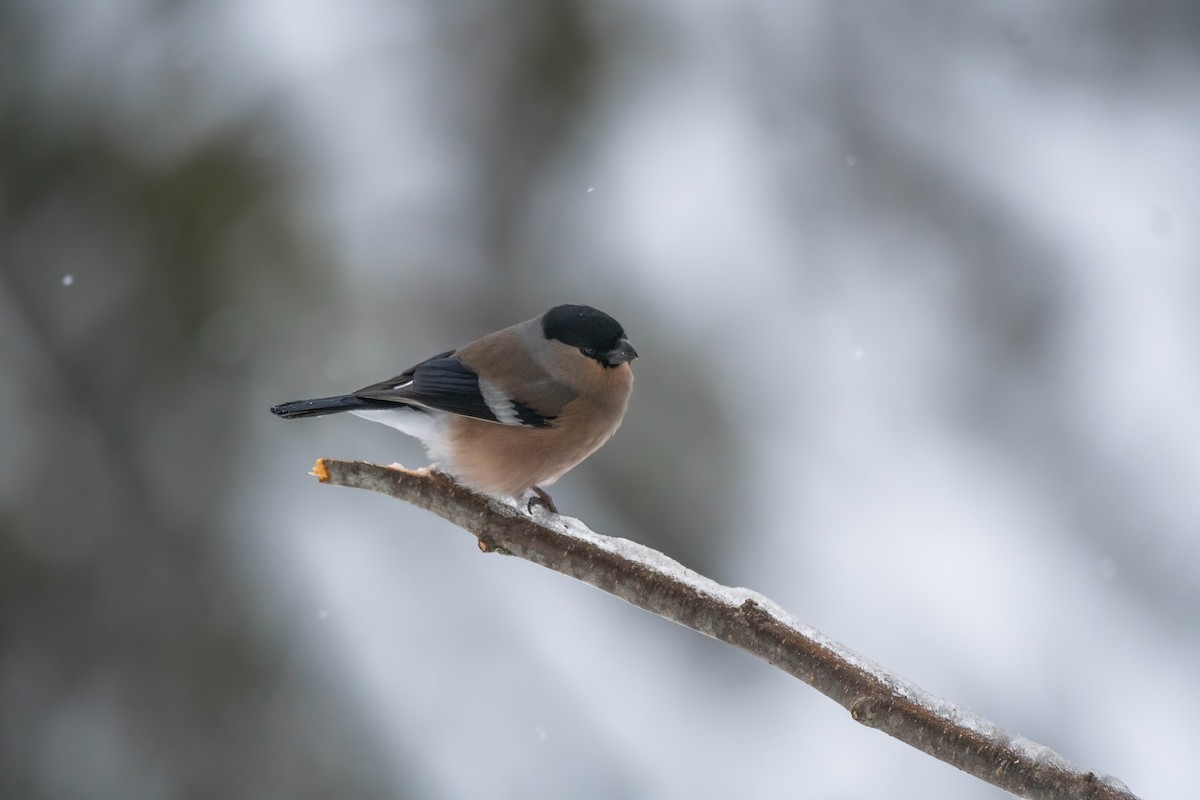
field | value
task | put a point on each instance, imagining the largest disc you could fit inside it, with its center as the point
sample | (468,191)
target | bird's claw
(539,497)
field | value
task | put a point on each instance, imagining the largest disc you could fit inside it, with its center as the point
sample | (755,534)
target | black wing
(442,382)
(447,384)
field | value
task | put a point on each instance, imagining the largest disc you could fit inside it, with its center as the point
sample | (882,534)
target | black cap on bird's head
(597,335)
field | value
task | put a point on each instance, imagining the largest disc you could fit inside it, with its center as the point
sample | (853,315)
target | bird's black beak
(620,354)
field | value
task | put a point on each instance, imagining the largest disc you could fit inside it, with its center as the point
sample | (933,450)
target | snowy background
(916,288)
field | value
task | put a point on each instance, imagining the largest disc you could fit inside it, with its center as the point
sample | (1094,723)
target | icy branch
(650,580)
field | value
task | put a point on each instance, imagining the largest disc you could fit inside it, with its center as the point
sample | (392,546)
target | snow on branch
(652,581)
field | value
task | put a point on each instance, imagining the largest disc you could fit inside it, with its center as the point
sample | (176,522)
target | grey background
(916,291)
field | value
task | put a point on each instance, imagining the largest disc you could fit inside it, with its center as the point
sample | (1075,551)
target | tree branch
(746,619)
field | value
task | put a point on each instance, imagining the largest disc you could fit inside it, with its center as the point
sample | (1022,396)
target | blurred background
(917,292)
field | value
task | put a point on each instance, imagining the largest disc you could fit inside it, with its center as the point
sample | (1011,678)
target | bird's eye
(590,352)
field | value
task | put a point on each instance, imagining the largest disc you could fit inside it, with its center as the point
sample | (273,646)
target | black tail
(326,405)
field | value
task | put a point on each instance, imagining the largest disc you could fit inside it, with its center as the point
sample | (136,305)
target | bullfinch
(514,410)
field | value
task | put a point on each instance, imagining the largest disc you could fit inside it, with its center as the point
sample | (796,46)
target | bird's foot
(539,497)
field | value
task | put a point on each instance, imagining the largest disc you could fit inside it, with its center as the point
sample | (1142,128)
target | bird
(511,412)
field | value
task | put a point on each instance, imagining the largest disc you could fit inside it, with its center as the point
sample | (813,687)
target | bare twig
(650,580)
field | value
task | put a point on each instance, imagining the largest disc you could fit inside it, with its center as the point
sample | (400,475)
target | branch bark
(652,581)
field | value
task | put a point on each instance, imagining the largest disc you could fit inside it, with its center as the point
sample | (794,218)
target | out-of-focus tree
(133,661)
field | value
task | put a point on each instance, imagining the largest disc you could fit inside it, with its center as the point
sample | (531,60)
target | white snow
(734,597)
